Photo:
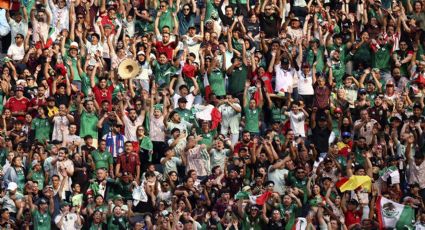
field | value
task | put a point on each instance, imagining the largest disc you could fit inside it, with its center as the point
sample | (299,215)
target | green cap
(118,197)
(65,203)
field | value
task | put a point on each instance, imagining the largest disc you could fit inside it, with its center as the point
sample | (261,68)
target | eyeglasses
(138,104)
(186,9)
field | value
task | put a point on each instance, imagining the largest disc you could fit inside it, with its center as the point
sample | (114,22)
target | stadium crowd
(212,114)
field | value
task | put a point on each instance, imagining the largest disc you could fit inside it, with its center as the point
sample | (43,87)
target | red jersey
(240,145)
(103,95)
(168,49)
(18,105)
(128,163)
(353,217)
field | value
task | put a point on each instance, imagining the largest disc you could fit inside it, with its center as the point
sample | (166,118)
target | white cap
(20,81)
(73,45)
(141,53)
(12,186)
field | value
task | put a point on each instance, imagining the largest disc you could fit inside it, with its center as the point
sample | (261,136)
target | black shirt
(321,138)
(270,24)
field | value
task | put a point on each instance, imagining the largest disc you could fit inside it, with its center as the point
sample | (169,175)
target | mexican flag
(393,215)
(300,224)
(260,199)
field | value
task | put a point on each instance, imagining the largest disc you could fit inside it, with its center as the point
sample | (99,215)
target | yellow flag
(355,181)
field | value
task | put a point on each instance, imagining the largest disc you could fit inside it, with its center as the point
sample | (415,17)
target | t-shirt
(41,221)
(218,157)
(102,159)
(237,79)
(103,94)
(68,222)
(17,53)
(88,124)
(297,123)
(278,177)
(171,165)
(114,223)
(42,128)
(252,119)
(216,80)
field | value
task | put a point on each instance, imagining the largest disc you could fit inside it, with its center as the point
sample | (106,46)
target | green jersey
(162,73)
(41,221)
(88,124)
(42,128)
(319,58)
(217,82)
(252,119)
(251,223)
(342,51)
(237,79)
(382,58)
(102,159)
(39,177)
(166,19)
(114,223)
(76,74)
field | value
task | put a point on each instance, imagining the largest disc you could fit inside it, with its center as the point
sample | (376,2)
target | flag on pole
(393,215)
(354,182)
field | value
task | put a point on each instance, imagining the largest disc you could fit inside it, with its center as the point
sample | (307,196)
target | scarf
(119,143)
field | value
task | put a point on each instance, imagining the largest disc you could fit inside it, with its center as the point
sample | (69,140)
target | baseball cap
(338,110)
(362,91)
(346,134)
(12,186)
(19,88)
(65,203)
(73,45)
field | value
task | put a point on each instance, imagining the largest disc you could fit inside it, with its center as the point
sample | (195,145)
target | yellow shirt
(52,111)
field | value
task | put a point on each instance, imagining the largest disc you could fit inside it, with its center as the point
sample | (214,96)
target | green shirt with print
(251,223)
(167,19)
(88,124)
(217,82)
(252,119)
(114,223)
(76,74)
(382,58)
(102,159)
(277,114)
(207,138)
(41,221)
(39,177)
(291,210)
(237,79)
(162,73)
(342,51)
(338,71)
(311,57)
(185,114)
(211,9)
(85,83)
(299,183)
(42,128)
